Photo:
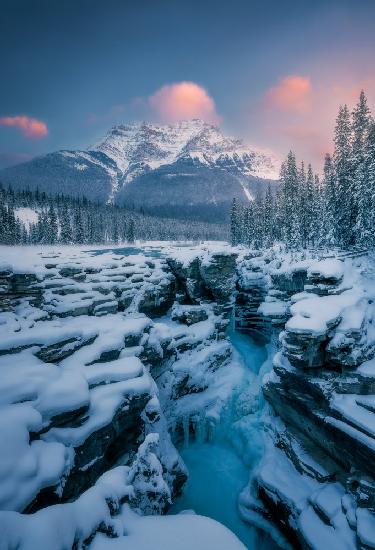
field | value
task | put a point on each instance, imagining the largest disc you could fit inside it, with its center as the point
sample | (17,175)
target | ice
(225,442)
(216,477)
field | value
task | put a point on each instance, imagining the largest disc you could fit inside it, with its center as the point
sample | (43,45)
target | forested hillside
(28,217)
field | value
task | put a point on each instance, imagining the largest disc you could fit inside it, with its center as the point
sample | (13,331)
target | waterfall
(220,453)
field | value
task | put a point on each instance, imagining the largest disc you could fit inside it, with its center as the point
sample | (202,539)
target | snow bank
(69,525)
(182,532)
(317,314)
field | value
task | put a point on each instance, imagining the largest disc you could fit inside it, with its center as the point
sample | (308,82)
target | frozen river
(219,470)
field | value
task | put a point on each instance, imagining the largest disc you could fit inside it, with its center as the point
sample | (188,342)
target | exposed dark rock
(218,274)
(289,282)
(99,452)
(54,353)
(189,314)
(158,299)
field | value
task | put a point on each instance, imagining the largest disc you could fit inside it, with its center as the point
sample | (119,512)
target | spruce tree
(310,207)
(234,222)
(131,231)
(66,235)
(359,187)
(291,203)
(249,235)
(344,197)
(268,218)
(78,228)
(52,225)
(330,201)
(303,220)
(365,225)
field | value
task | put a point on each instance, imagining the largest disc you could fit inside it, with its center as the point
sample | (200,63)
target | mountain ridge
(136,163)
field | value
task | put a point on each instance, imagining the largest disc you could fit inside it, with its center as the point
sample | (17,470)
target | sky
(271,72)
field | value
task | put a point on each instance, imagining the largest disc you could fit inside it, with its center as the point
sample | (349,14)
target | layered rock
(316,480)
(92,379)
(209,276)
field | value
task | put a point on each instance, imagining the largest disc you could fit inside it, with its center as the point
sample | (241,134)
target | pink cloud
(30,127)
(299,113)
(183,101)
(292,93)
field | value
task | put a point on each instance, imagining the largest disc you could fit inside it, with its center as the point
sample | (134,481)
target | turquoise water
(128,251)
(218,472)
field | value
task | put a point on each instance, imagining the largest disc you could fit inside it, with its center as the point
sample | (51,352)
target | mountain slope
(188,170)
(187,190)
(75,173)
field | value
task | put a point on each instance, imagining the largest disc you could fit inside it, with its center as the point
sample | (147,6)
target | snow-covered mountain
(178,170)
(139,147)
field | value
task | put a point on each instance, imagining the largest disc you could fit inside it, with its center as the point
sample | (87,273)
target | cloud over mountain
(183,101)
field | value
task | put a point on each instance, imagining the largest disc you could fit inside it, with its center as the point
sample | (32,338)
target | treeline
(66,220)
(337,210)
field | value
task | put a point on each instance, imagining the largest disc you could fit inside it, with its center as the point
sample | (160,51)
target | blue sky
(271,72)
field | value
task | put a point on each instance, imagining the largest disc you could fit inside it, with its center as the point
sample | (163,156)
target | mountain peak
(138,146)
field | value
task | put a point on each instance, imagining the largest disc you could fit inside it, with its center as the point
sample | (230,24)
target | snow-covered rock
(90,382)
(317,476)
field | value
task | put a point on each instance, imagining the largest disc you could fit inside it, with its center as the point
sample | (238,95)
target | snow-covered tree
(130,237)
(66,235)
(365,224)
(344,196)
(234,222)
(291,202)
(361,123)
(52,225)
(330,201)
(268,208)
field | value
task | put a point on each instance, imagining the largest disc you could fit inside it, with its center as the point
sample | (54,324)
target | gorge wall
(109,360)
(316,479)
(103,358)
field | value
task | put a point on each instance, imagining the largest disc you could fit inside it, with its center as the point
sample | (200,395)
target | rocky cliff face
(109,360)
(316,480)
(94,384)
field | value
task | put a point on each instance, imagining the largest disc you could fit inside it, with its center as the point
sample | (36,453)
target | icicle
(211,429)
(173,429)
(200,431)
(186,430)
